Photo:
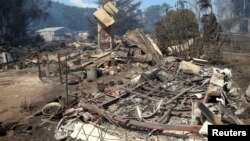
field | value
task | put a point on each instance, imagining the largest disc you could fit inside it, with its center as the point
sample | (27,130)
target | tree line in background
(173,25)
(190,29)
(189,19)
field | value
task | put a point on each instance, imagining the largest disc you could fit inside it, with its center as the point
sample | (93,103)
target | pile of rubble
(175,96)
(170,98)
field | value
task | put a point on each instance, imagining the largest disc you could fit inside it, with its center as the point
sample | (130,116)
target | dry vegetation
(237,44)
(240,66)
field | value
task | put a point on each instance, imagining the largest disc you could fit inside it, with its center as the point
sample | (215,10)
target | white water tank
(6,57)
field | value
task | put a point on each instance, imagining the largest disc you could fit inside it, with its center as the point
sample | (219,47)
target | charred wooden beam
(156,89)
(39,67)
(162,120)
(60,68)
(211,117)
(230,115)
(182,104)
(115,100)
(67,87)
(140,95)
(165,117)
(179,95)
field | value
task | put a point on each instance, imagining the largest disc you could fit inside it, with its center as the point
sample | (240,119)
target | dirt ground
(16,87)
(240,66)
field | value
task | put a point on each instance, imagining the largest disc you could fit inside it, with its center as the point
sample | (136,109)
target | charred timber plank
(211,117)
(230,114)
(167,69)
(145,88)
(165,117)
(179,95)
(126,122)
(162,120)
(182,104)
(39,67)
(140,95)
(156,89)
(60,68)
(115,100)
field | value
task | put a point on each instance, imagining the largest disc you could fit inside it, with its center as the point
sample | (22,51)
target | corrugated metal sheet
(51,29)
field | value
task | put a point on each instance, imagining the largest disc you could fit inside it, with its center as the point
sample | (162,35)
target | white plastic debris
(139,112)
(64,128)
(199,95)
(240,111)
(187,66)
(204,128)
(222,101)
(248,91)
(227,72)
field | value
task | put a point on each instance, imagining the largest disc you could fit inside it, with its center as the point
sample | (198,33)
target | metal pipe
(39,67)
(60,68)
(67,87)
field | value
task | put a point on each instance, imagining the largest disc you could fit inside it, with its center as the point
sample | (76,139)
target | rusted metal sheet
(127,122)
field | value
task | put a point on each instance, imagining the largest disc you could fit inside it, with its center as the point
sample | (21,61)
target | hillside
(68,16)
